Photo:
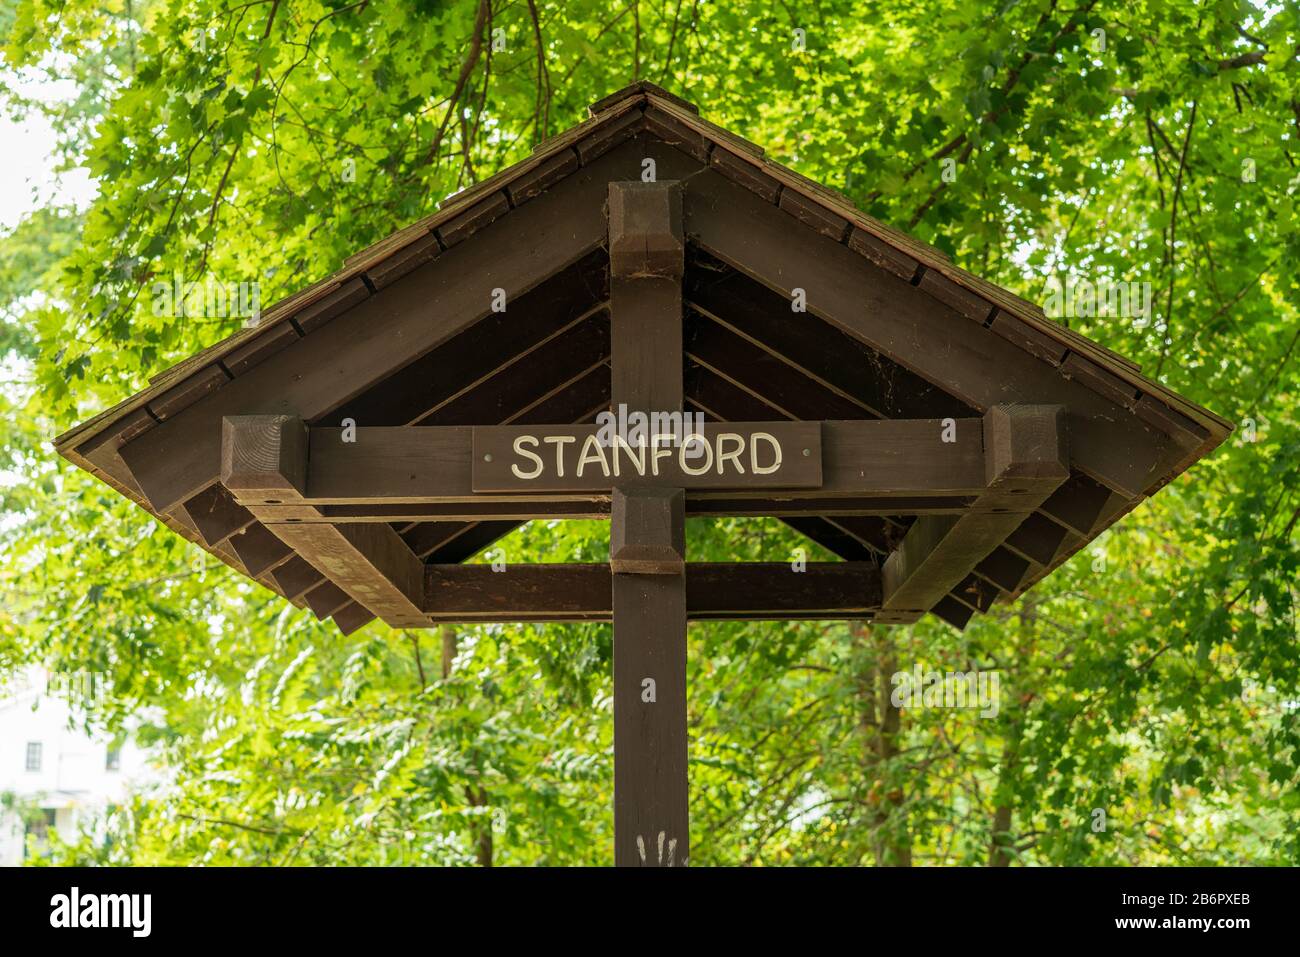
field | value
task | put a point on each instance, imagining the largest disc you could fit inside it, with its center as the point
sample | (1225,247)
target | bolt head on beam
(645,230)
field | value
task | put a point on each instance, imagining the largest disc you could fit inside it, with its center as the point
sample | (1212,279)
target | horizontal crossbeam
(582,592)
(698,505)
(416,465)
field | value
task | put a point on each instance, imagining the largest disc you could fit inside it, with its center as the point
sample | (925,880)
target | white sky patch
(30,182)
(30,179)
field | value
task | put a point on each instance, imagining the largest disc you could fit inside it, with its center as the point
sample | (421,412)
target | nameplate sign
(716,455)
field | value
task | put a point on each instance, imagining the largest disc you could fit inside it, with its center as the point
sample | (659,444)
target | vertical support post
(647,537)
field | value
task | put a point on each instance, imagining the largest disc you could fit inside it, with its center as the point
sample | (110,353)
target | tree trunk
(891,841)
(1001,840)
(481,827)
(448,649)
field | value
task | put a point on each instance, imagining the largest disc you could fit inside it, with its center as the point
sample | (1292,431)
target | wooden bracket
(647,531)
(645,231)
(263,463)
(264,458)
(1025,461)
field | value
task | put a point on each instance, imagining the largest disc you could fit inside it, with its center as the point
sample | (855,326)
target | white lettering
(593,451)
(621,443)
(734,455)
(658,452)
(559,441)
(753,453)
(520,450)
(74,909)
(695,440)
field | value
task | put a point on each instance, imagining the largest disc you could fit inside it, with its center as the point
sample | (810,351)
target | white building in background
(56,773)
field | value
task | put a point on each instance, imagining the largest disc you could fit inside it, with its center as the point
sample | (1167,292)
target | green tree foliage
(1149,689)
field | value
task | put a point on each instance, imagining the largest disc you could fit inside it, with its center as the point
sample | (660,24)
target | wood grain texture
(645,230)
(650,736)
(264,458)
(715,591)
(385,332)
(370,563)
(919,332)
(264,462)
(647,249)
(647,532)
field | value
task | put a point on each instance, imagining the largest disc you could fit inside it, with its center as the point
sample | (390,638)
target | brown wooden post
(647,540)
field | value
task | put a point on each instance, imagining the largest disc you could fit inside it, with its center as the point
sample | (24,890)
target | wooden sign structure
(720,338)
(741,455)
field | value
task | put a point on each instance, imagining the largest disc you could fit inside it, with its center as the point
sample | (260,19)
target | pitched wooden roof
(1133,436)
